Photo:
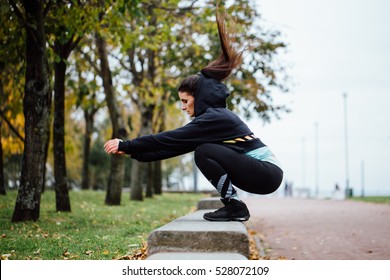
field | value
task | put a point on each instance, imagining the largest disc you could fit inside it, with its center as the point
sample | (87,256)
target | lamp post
(316,153)
(303,164)
(347,194)
(362,167)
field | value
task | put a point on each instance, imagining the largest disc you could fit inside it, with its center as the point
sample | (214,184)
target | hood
(209,94)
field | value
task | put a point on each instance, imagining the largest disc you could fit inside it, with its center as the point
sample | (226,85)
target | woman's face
(187,103)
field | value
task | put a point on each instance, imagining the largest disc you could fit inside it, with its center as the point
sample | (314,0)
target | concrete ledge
(191,233)
(197,256)
(210,203)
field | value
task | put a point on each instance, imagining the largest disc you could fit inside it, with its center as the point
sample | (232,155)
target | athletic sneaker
(234,210)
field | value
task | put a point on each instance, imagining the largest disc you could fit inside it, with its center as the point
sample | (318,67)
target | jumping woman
(225,149)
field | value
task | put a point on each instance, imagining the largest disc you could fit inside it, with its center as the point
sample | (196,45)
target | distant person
(288,189)
(337,193)
(226,150)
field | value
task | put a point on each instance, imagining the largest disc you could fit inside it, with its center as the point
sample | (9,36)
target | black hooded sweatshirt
(213,123)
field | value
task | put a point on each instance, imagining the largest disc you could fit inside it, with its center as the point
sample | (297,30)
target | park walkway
(310,229)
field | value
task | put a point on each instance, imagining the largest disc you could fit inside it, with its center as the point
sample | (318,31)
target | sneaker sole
(236,219)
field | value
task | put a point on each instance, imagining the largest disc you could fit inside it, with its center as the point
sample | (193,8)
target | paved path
(309,229)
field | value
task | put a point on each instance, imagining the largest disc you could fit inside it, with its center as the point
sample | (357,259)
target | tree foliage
(150,46)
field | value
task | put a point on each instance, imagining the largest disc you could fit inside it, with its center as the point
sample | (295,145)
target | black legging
(223,167)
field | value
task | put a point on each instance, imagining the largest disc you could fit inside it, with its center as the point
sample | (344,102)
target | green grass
(373,199)
(92,231)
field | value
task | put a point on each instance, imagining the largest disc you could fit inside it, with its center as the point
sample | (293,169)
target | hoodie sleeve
(167,144)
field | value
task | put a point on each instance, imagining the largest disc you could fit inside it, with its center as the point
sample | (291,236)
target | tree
(90,108)
(115,181)
(36,108)
(86,91)
(67,34)
(11,91)
(116,178)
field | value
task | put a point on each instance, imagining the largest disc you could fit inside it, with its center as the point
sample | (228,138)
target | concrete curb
(191,233)
(193,238)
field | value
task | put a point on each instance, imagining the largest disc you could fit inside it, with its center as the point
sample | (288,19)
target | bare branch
(75,42)
(89,59)
(14,130)
(47,8)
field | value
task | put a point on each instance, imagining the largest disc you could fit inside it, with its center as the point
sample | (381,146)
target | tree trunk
(157,177)
(149,179)
(140,171)
(61,182)
(117,170)
(157,169)
(88,116)
(36,109)
(2,182)
(46,154)
(62,49)
(136,189)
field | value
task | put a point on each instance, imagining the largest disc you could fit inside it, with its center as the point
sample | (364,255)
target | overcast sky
(334,47)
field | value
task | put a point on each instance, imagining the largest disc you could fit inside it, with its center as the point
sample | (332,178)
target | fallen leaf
(139,254)
(66,253)
(254,251)
(89,252)
(5,256)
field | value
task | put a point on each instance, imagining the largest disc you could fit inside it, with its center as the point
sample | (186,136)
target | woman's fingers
(111,146)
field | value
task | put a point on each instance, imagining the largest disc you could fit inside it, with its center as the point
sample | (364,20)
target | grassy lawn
(92,231)
(373,199)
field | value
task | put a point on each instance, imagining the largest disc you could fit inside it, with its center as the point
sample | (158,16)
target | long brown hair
(228,59)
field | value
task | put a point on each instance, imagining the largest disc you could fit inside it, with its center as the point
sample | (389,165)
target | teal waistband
(264,154)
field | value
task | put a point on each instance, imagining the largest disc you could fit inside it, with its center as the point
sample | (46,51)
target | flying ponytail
(229,57)
(220,68)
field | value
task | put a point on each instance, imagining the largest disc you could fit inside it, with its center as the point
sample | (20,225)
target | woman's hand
(111,147)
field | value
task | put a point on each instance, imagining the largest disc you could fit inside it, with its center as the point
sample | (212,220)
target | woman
(226,151)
